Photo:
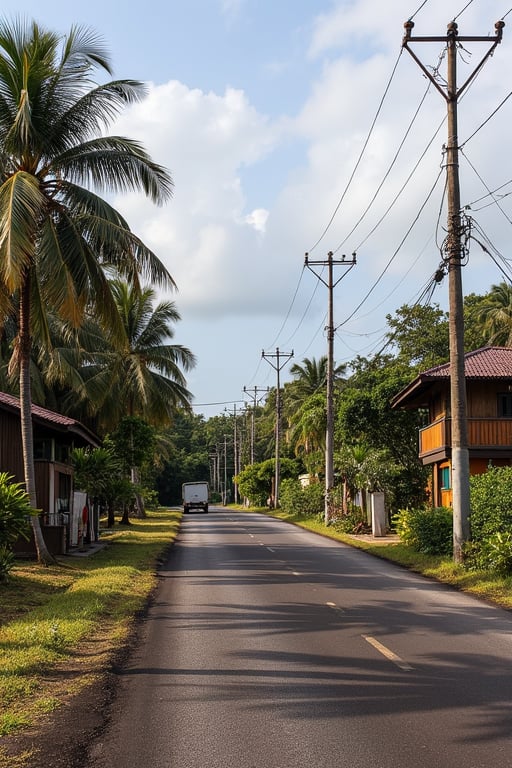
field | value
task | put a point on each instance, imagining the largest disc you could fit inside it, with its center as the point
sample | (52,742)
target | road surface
(271,647)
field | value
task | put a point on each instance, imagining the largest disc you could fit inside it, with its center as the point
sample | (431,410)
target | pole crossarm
(460,464)
(330,284)
(343,262)
(452,37)
(274,359)
(255,400)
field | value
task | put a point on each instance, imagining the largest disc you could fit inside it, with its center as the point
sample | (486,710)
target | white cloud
(257,219)
(236,258)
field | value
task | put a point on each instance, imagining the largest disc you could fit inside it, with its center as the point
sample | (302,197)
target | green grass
(48,615)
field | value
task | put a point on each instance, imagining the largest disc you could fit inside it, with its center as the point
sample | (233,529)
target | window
(444,478)
(505,404)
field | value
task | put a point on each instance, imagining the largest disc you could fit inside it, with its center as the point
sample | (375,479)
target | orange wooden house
(488,373)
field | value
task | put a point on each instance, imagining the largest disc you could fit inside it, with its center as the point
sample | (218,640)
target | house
(55,436)
(488,373)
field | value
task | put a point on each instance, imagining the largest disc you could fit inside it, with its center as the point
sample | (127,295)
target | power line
(361,154)
(368,294)
(289,309)
(487,120)
(485,185)
(402,188)
(419,9)
(461,12)
(386,175)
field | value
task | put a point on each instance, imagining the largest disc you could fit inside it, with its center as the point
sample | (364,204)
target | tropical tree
(307,433)
(308,378)
(495,315)
(305,404)
(56,234)
(139,371)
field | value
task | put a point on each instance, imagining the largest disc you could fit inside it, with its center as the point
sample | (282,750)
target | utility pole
(235,454)
(277,366)
(329,432)
(255,400)
(454,253)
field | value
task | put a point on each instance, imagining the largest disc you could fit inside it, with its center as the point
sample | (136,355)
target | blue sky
(261,110)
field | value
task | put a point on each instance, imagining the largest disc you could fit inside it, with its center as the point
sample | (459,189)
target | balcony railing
(482,433)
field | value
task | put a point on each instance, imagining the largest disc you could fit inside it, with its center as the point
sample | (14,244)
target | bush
(491,503)
(296,500)
(15,511)
(352,521)
(427,530)
(490,554)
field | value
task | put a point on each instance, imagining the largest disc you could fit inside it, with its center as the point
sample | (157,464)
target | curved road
(271,647)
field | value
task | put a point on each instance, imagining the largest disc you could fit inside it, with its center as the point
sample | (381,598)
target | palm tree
(303,397)
(56,234)
(495,315)
(138,371)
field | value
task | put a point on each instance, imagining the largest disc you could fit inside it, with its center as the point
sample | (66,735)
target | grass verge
(72,616)
(483,584)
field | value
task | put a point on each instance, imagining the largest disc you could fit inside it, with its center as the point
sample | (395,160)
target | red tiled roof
(43,415)
(484,363)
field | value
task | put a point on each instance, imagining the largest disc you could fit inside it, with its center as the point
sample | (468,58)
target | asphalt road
(270,647)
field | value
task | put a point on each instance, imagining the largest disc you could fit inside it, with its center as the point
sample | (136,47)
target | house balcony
(487,438)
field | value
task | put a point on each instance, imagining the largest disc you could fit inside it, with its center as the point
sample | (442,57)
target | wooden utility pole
(329,431)
(255,400)
(277,366)
(454,254)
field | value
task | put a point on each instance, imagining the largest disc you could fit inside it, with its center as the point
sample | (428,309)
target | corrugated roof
(50,417)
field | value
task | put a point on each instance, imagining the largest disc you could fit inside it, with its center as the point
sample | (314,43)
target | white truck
(195,496)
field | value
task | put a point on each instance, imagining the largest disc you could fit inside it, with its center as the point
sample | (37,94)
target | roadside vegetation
(74,616)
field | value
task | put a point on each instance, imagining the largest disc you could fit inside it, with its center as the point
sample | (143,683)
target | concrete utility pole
(454,252)
(329,432)
(277,366)
(255,400)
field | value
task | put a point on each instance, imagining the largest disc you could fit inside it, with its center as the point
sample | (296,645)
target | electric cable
(461,12)
(361,154)
(289,309)
(489,194)
(487,120)
(386,175)
(419,9)
(390,261)
(485,185)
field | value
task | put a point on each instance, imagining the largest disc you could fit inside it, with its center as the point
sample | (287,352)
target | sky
(303,126)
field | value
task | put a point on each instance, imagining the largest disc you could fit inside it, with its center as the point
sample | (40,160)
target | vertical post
(454,252)
(255,400)
(277,367)
(329,430)
(460,452)
(235,459)
(225,470)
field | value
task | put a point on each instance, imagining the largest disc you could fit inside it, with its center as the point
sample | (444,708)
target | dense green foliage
(491,502)
(255,481)
(491,520)
(297,500)
(15,511)
(427,530)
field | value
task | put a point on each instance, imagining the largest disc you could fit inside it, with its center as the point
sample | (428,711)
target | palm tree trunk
(140,510)
(27,437)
